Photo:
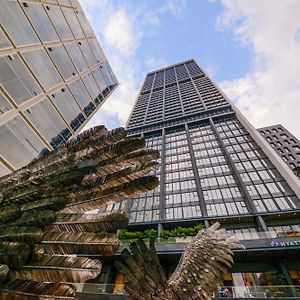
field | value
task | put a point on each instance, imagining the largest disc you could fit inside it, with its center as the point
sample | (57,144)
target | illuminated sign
(285,243)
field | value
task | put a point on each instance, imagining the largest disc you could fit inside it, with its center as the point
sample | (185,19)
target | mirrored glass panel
(62,61)
(19,144)
(97,50)
(4,104)
(48,122)
(4,42)
(64,2)
(3,170)
(41,22)
(81,95)
(74,3)
(85,24)
(73,22)
(92,87)
(87,53)
(43,68)
(76,56)
(17,80)
(16,25)
(68,107)
(59,22)
(101,81)
(108,74)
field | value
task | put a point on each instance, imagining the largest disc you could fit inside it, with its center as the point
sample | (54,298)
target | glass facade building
(53,77)
(284,143)
(215,166)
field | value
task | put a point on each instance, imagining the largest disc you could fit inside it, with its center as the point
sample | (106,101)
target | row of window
(51,23)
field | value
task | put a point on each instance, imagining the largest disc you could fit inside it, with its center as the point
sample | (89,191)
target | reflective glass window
(48,122)
(3,170)
(82,97)
(43,68)
(282,203)
(97,50)
(273,188)
(73,22)
(87,52)
(62,61)
(4,104)
(4,42)
(76,56)
(41,22)
(59,22)
(85,24)
(100,79)
(74,3)
(16,25)
(259,206)
(111,79)
(17,80)
(269,203)
(91,85)
(68,107)
(19,144)
(64,2)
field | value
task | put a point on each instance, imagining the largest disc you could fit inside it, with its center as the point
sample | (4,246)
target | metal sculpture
(199,272)
(43,219)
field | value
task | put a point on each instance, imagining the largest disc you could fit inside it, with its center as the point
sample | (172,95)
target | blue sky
(250,48)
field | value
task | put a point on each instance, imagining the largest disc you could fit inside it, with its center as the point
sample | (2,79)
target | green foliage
(275,278)
(181,231)
(152,233)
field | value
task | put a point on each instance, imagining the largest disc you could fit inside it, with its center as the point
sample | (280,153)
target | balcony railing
(94,288)
(239,236)
(269,292)
(280,291)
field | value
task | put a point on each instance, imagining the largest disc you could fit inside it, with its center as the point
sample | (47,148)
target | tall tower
(53,77)
(284,143)
(215,166)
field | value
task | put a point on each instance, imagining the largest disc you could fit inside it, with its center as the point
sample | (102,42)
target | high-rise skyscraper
(284,143)
(53,77)
(215,166)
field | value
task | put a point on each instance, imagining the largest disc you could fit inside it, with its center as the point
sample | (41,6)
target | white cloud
(121,28)
(175,7)
(153,63)
(119,32)
(270,92)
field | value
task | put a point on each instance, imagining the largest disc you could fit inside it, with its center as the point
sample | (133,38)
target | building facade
(215,166)
(53,77)
(284,143)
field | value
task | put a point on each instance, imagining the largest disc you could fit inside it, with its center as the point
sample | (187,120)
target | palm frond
(4,269)
(106,221)
(36,218)
(30,235)
(115,194)
(31,290)
(8,214)
(14,255)
(64,243)
(49,268)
